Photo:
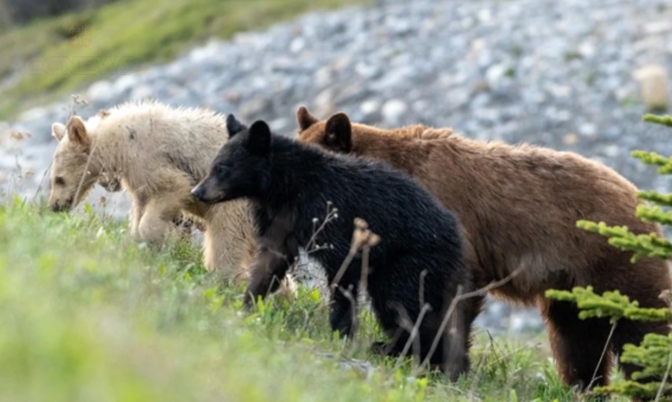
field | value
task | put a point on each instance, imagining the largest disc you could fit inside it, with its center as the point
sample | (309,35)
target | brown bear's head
(335,134)
(72,174)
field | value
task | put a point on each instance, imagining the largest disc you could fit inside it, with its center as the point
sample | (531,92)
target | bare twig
(86,171)
(421,292)
(459,297)
(479,366)
(361,237)
(39,187)
(363,282)
(659,394)
(344,267)
(331,214)
(604,352)
(413,336)
(665,295)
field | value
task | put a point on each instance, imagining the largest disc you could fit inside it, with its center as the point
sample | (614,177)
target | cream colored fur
(159,153)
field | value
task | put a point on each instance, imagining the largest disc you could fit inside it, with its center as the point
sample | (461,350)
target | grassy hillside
(51,56)
(88,315)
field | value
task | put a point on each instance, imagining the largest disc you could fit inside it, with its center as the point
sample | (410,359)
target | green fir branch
(656,198)
(651,158)
(654,214)
(662,120)
(654,354)
(612,305)
(642,245)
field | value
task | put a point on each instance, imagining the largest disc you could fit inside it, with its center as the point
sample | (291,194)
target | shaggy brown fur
(518,206)
(158,153)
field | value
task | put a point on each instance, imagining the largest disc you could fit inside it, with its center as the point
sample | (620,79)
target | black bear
(415,271)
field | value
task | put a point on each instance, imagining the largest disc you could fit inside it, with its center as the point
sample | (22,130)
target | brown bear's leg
(643,281)
(577,344)
(633,332)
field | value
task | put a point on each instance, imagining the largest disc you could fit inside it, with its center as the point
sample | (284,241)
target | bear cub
(414,272)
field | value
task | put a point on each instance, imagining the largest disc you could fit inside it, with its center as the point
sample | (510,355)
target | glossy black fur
(289,184)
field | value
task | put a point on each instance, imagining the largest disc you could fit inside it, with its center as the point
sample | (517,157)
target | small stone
(613,133)
(612,150)
(279,125)
(570,139)
(495,73)
(297,45)
(124,83)
(101,91)
(393,110)
(141,92)
(657,27)
(654,89)
(323,76)
(368,71)
(370,107)
(587,129)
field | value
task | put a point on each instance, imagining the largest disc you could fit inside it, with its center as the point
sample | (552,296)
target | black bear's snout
(198,192)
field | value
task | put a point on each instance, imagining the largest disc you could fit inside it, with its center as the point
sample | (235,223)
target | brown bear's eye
(59,181)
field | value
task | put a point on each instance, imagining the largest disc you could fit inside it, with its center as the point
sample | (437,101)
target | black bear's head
(241,167)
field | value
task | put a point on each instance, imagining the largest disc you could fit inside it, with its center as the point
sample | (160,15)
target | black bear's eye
(59,181)
(222,169)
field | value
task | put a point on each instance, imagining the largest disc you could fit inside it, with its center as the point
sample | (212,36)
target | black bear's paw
(383,348)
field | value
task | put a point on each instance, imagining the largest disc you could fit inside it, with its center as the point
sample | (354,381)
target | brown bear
(157,153)
(518,207)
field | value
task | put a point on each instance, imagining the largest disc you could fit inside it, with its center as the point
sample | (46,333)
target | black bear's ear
(259,138)
(304,118)
(233,126)
(338,132)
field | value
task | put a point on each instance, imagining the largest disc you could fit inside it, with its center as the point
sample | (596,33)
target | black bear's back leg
(399,307)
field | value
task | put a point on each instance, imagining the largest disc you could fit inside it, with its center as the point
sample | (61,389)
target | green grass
(88,315)
(61,54)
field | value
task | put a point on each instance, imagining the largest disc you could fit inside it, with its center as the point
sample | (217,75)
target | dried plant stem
(459,297)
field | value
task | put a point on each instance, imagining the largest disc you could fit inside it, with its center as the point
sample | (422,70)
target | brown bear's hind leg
(577,344)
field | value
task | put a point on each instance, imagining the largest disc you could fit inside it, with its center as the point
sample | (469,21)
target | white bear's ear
(77,131)
(233,126)
(58,131)
(304,118)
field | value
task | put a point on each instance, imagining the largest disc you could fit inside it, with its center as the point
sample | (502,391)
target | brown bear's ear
(304,118)
(58,131)
(338,133)
(259,138)
(77,132)
(233,126)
